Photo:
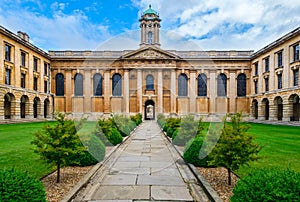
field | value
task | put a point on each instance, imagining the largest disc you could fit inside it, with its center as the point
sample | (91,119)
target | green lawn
(281,147)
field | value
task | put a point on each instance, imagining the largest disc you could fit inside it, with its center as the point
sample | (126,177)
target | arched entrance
(36,104)
(8,99)
(46,107)
(266,106)
(295,106)
(279,108)
(255,109)
(149,110)
(24,101)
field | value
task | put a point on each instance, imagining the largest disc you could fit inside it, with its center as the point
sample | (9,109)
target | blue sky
(186,24)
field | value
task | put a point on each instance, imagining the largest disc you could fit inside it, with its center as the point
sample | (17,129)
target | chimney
(23,36)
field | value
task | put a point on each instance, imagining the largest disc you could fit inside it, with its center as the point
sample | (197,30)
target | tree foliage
(235,147)
(59,143)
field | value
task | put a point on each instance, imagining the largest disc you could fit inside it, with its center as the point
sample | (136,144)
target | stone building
(150,80)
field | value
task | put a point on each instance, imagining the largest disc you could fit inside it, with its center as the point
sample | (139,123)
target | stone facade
(151,80)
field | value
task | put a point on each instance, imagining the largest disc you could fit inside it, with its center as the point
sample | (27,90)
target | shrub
(94,153)
(20,186)
(192,152)
(108,133)
(171,125)
(161,120)
(124,124)
(188,130)
(268,185)
(137,119)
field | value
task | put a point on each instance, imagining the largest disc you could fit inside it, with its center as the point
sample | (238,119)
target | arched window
(60,84)
(149,82)
(150,37)
(97,85)
(222,85)
(241,85)
(182,85)
(117,85)
(202,87)
(78,85)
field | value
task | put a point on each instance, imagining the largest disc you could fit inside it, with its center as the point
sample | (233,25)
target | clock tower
(150,25)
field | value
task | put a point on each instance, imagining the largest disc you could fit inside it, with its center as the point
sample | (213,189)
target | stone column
(212,92)
(173,91)
(2,113)
(261,111)
(139,91)
(68,91)
(106,93)
(287,111)
(160,92)
(192,92)
(232,92)
(273,112)
(126,91)
(87,90)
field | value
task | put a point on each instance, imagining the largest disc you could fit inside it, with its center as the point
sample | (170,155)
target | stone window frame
(222,85)
(98,84)
(117,85)
(241,85)
(59,84)
(202,85)
(78,84)
(149,82)
(182,85)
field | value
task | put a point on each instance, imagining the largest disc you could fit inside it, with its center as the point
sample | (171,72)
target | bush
(108,133)
(268,185)
(20,186)
(137,119)
(124,124)
(94,153)
(188,130)
(171,125)
(192,152)
(161,120)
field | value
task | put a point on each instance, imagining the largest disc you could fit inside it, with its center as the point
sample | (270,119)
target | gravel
(69,177)
(218,179)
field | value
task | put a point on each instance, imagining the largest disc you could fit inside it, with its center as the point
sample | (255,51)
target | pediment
(150,53)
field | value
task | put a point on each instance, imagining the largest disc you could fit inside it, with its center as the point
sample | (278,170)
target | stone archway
(255,109)
(278,105)
(8,100)
(36,107)
(294,106)
(23,106)
(46,107)
(149,110)
(266,108)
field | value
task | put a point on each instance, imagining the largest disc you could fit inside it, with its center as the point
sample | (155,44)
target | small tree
(235,147)
(57,144)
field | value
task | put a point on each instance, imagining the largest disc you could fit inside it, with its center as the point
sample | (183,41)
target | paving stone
(130,171)
(160,180)
(164,172)
(122,193)
(170,193)
(119,165)
(123,179)
(161,165)
(133,158)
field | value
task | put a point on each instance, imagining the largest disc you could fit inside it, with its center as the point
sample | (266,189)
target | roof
(150,11)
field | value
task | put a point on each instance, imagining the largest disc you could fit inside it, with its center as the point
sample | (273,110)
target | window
(35,64)
(279,59)
(202,85)
(23,77)
(279,80)
(150,37)
(256,87)
(7,76)
(296,52)
(182,85)
(60,84)
(23,59)
(117,85)
(222,85)
(296,77)
(256,68)
(267,84)
(7,52)
(267,63)
(46,65)
(35,83)
(45,86)
(149,82)
(78,85)
(241,85)
(97,85)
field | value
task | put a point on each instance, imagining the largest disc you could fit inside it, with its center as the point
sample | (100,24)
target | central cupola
(150,25)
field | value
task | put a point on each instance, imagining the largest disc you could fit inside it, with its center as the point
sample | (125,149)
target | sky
(185,25)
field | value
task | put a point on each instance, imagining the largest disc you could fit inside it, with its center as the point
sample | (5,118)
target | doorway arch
(149,110)
(36,106)
(46,107)
(24,106)
(265,103)
(8,100)
(278,103)
(255,109)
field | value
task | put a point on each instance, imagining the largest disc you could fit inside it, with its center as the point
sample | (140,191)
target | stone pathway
(145,167)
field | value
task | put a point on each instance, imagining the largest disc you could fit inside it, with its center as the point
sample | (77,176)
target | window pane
(267,84)
(23,59)
(222,85)
(267,64)
(35,83)
(296,52)
(7,52)
(256,69)
(279,77)
(45,86)
(60,86)
(241,85)
(182,85)
(149,82)
(279,55)
(117,85)
(202,87)
(78,85)
(7,77)
(149,37)
(98,85)
(23,77)
(296,77)
(35,65)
